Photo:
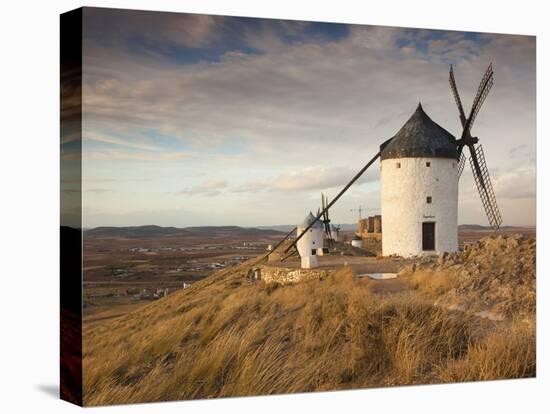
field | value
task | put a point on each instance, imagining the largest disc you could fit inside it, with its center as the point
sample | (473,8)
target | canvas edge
(71,387)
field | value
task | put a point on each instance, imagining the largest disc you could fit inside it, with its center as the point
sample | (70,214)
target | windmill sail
(461,164)
(326,220)
(485,187)
(477,157)
(482,92)
(457,96)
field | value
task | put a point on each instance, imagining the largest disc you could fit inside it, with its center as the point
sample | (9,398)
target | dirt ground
(357,263)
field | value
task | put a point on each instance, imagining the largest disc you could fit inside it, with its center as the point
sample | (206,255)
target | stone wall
(284,275)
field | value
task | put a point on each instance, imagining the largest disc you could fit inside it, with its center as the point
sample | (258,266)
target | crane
(359,210)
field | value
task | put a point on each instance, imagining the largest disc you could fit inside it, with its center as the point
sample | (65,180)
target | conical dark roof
(310,218)
(420,137)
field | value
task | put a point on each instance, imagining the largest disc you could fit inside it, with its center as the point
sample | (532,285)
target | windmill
(477,156)
(420,167)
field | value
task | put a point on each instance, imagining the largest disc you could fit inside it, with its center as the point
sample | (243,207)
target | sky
(208,120)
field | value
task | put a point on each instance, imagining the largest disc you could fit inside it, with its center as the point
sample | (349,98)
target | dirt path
(360,264)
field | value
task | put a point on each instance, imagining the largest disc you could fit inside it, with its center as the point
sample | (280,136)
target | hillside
(152,231)
(227,337)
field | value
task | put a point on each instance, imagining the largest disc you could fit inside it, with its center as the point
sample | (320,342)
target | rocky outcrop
(495,275)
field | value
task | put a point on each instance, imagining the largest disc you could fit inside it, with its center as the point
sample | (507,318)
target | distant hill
(230,230)
(287,227)
(133,231)
(488,228)
(150,231)
(353,227)
(473,227)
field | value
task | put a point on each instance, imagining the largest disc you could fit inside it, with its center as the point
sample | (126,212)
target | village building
(357,241)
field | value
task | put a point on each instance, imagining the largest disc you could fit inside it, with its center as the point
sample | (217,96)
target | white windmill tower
(309,243)
(419,189)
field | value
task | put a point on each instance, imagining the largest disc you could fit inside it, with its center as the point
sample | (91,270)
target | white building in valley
(357,241)
(307,246)
(419,189)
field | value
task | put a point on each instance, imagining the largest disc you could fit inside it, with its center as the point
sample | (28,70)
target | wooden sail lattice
(485,188)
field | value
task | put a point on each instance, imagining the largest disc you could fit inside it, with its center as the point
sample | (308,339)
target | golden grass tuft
(433,284)
(507,353)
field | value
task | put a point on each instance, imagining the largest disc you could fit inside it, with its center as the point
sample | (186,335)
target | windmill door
(428,236)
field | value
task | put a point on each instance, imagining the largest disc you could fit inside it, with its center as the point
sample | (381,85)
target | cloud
(519,183)
(307,179)
(110,139)
(110,155)
(286,97)
(114,27)
(97,190)
(207,188)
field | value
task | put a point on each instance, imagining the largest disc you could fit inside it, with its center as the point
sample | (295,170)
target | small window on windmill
(429,199)
(454,164)
(398,165)
(428,164)
(313,252)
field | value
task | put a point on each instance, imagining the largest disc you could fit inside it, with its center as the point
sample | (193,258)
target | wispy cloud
(207,188)
(110,155)
(307,179)
(97,190)
(517,183)
(110,139)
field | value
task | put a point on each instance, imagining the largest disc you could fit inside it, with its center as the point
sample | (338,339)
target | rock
(441,258)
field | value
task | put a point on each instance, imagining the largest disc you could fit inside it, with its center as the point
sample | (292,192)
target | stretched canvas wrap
(258,206)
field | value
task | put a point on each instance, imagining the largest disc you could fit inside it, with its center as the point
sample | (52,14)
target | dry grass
(433,284)
(509,352)
(224,337)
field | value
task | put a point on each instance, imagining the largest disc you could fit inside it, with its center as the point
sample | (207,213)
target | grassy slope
(225,337)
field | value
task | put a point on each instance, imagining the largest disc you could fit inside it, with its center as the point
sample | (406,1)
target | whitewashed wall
(403,193)
(312,240)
